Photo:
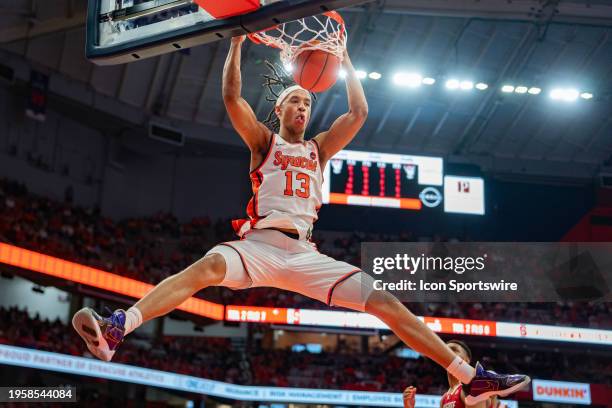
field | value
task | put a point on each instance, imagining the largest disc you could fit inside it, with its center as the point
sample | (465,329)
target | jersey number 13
(303,184)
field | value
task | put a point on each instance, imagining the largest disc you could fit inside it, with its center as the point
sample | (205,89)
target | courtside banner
(489,272)
(561,391)
(43,360)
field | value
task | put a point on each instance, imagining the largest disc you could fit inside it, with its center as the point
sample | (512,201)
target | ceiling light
(507,88)
(466,85)
(452,84)
(557,94)
(586,95)
(568,95)
(482,86)
(375,75)
(361,74)
(429,81)
(521,89)
(408,79)
(534,90)
(571,95)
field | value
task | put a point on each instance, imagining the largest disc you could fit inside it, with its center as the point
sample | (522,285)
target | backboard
(121,31)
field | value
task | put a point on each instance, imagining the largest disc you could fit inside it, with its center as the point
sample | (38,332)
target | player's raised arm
(344,129)
(254,133)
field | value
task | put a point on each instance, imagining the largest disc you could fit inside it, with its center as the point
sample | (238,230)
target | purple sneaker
(101,334)
(486,384)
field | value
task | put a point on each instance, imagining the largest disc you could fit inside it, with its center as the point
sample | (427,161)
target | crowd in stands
(152,248)
(218,359)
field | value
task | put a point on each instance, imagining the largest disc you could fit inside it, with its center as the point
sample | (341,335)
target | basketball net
(336,165)
(410,170)
(325,32)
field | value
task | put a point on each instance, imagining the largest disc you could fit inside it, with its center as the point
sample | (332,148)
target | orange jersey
(286,187)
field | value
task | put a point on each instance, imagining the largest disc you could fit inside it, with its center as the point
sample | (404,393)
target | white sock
(133,319)
(461,370)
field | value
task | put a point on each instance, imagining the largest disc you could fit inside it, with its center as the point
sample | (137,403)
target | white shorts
(270,258)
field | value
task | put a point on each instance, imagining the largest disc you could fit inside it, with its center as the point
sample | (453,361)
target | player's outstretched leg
(479,384)
(102,335)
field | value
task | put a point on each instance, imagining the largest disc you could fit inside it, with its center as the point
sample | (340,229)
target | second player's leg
(175,289)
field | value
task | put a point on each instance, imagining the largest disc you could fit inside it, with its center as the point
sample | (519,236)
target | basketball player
(455,396)
(274,250)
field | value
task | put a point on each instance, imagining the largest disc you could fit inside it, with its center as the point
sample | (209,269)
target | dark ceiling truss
(541,123)
(208,73)
(393,46)
(457,98)
(489,104)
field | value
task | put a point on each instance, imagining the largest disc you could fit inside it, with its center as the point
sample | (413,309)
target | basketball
(316,71)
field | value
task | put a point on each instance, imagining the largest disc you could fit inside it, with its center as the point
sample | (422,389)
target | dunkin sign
(561,391)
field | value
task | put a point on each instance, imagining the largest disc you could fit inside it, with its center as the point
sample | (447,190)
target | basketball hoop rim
(334,15)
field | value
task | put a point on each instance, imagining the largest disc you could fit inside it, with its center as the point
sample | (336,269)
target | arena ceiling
(535,43)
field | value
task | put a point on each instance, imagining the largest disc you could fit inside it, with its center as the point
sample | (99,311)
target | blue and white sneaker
(102,335)
(486,384)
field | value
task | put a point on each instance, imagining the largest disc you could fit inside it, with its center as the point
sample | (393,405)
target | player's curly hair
(276,82)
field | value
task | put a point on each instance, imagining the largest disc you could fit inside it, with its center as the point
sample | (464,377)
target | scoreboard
(407,182)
